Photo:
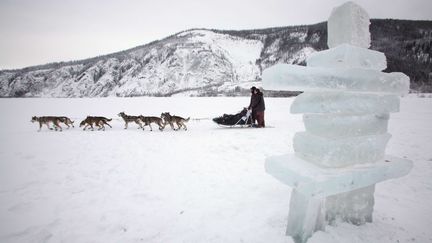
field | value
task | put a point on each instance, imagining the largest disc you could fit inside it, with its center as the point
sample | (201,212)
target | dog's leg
(47,124)
(139,124)
(40,126)
(126,125)
(172,126)
(106,123)
(57,125)
(178,126)
(151,129)
(165,122)
(99,125)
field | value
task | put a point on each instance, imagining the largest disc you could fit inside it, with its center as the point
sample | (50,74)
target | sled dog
(67,121)
(148,120)
(127,119)
(98,121)
(180,121)
(46,120)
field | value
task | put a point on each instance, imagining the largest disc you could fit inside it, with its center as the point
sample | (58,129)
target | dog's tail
(187,119)
(109,119)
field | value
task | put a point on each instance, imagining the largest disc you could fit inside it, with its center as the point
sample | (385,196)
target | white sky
(35,32)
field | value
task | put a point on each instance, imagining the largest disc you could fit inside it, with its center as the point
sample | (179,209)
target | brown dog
(46,120)
(98,121)
(67,121)
(180,121)
(148,120)
(127,119)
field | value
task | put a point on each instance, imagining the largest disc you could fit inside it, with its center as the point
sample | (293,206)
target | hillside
(214,62)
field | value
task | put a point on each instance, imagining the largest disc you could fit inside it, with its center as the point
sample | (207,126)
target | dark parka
(257,102)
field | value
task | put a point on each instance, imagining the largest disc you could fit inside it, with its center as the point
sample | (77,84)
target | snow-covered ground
(206,184)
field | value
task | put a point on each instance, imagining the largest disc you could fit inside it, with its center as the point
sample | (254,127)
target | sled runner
(241,119)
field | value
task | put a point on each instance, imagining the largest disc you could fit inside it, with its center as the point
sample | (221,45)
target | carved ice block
(313,213)
(355,207)
(339,152)
(315,79)
(308,216)
(345,103)
(336,126)
(314,181)
(348,23)
(322,196)
(348,56)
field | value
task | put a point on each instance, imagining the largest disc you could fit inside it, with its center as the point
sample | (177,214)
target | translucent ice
(340,152)
(315,181)
(324,195)
(333,126)
(344,103)
(312,214)
(355,207)
(348,23)
(306,216)
(348,56)
(300,78)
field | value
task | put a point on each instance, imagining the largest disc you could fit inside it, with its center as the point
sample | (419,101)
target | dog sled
(241,119)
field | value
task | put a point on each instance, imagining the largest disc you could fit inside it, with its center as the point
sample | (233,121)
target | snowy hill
(210,62)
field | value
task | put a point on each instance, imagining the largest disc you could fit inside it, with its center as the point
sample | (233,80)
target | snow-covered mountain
(196,62)
(203,61)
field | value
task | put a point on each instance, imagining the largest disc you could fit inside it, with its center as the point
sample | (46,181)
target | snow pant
(254,118)
(260,118)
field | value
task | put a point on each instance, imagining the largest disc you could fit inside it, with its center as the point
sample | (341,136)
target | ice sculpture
(348,24)
(346,105)
(335,79)
(348,56)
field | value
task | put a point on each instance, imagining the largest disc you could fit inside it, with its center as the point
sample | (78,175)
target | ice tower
(346,105)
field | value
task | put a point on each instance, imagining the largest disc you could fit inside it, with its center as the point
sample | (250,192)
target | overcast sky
(35,32)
